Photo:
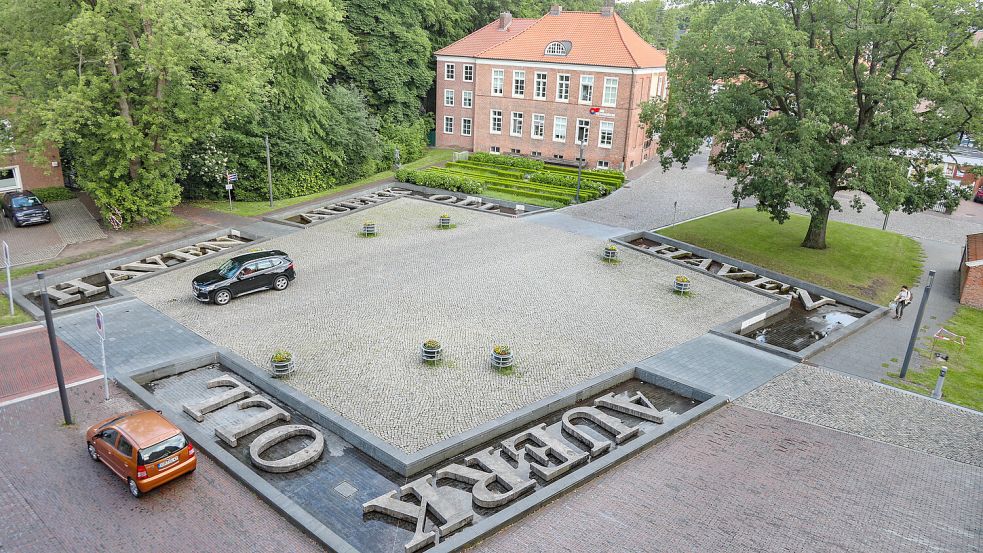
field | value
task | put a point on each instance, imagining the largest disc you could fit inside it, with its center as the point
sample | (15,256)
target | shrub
(281,356)
(438,179)
(431,344)
(507,161)
(53,194)
(502,350)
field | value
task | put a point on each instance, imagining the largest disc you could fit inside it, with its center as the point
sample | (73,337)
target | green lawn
(865,263)
(23,271)
(964,379)
(19,315)
(254,209)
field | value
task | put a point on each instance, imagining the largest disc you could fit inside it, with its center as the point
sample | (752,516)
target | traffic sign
(595,111)
(228,186)
(100,324)
(6,254)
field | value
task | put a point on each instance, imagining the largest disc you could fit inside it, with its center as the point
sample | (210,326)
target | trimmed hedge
(565,194)
(440,179)
(507,161)
(53,194)
(612,176)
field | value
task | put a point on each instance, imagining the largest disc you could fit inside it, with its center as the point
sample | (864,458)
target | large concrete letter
(547,445)
(620,430)
(636,406)
(450,515)
(500,471)
(214,403)
(230,433)
(294,461)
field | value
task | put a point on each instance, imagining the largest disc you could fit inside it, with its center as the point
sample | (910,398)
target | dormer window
(558,48)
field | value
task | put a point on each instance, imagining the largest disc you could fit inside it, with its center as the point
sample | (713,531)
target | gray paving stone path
(854,405)
(742,480)
(73,222)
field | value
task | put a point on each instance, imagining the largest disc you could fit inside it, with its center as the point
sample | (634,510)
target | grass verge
(865,263)
(18,317)
(964,379)
(255,209)
(20,272)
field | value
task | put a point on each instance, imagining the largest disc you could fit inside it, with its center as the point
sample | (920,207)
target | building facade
(971,272)
(541,87)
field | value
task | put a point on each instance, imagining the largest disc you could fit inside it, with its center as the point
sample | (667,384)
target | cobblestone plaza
(360,308)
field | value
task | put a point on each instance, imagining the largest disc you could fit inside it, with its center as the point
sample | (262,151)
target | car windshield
(229,268)
(25,201)
(166,448)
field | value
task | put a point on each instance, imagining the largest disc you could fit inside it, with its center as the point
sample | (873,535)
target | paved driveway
(71,223)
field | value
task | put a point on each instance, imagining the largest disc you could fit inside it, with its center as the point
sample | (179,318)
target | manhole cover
(346,489)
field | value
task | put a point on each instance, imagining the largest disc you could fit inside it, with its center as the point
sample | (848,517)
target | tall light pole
(580,164)
(918,322)
(53,342)
(269,170)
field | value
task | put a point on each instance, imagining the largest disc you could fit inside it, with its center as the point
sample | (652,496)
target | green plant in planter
(431,344)
(281,356)
(502,350)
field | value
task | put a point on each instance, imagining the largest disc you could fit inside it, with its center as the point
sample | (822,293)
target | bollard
(937,394)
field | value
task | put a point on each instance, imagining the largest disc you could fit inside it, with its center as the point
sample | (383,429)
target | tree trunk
(816,235)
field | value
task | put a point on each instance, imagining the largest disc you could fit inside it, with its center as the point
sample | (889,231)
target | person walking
(901,301)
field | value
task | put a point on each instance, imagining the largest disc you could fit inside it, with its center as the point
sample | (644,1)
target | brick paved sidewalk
(54,498)
(26,366)
(742,480)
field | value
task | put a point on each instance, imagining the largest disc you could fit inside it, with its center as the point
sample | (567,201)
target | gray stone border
(282,217)
(462,196)
(731,328)
(133,382)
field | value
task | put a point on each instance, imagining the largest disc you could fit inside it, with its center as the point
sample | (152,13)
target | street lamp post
(53,342)
(580,164)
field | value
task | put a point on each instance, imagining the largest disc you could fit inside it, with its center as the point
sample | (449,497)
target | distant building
(971,272)
(526,87)
(18,172)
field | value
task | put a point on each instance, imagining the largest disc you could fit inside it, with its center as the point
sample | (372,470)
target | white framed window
(496,122)
(515,151)
(448,71)
(498,82)
(610,97)
(557,156)
(467,98)
(448,124)
(466,126)
(555,49)
(605,134)
(583,131)
(468,76)
(562,88)
(449,97)
(539,87)
(515,129)
(536,154)
(495,150)
(518,84)
(603,164)
(586,89)
(559,129)
(10,178)
(538,126)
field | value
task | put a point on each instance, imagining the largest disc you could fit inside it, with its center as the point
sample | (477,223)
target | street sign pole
(10,288)
(101,329)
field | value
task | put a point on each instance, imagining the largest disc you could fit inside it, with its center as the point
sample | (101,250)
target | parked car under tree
(24,208)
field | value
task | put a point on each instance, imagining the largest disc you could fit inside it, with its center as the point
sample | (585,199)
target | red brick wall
(632,89)
(972,286)
(36,176)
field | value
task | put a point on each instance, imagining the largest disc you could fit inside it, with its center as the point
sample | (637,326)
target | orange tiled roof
(974,247)
(596,40)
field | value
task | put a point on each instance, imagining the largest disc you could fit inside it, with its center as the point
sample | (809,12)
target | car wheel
(222,297)
(281,282)
(134,490)
(92,451)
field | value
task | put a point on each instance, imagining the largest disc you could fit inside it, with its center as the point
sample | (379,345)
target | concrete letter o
(293,461)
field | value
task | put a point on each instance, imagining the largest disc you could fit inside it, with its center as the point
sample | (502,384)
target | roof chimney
(504,20)
(556,9)
(608,8)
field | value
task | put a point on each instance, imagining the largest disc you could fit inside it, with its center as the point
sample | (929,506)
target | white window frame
(17,178)
(518,84)
(449,98)
(467,73)
(555,49)
(494,149)
(467,99)
(610,85)
(449,119)
(607,165)
(541,118)
(466,124)
(601,131)
(449,72)
(536,85)
(559,122)
(513,120)
(491,121)
(585,80)
(498,78)
(561,88)
(582,124)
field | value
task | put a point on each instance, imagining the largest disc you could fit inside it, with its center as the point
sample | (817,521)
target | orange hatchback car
(141,447)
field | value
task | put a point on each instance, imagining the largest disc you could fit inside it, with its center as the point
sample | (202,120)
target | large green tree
(807,98)
(126,84)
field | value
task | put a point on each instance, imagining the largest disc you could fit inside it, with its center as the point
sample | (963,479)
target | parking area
(360,309)
(71,223)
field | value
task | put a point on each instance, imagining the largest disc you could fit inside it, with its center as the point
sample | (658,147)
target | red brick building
(17,172)
(971,272)
(526,87)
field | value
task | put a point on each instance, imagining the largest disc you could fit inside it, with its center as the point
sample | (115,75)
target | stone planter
(281,368)
(501,360)
(368,229)
(444,222)
(431,354)
(681,285)
(610,253)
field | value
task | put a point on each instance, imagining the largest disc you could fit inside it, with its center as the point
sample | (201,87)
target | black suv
(25,208)
(244,274)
